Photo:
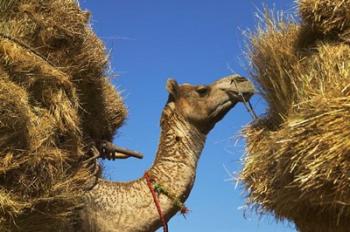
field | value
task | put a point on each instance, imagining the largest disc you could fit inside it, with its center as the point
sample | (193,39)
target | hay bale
(269,59)
(297,162)
(330,17)
(55,102)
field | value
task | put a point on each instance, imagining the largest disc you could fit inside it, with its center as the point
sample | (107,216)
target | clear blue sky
(191,41)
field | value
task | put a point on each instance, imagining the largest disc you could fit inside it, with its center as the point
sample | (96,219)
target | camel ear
(172,87)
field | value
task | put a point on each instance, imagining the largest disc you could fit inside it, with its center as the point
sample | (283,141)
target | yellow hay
(327,16)
(297,163)
(55,103)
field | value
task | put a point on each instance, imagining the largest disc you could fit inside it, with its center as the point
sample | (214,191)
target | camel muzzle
(238,87)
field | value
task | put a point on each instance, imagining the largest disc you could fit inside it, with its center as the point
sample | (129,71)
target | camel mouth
(222,109)
(242,91)
(233,97)
(240,96)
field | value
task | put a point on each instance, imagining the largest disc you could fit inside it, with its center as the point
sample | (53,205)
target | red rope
(156,202)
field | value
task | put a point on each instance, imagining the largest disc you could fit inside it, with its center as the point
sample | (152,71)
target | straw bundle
(55,102)
(297,163)
(326,16)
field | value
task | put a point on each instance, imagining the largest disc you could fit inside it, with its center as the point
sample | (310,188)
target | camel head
(205,105)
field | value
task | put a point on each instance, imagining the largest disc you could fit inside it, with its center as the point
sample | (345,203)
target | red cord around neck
(156,202)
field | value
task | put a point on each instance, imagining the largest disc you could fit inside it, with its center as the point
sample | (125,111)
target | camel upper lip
(234,94)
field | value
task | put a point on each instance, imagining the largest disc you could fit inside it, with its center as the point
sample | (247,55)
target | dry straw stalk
(297,163)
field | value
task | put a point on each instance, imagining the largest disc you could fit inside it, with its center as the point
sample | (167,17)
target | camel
(188,116)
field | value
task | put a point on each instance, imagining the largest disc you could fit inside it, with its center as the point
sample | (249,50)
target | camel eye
(202,91)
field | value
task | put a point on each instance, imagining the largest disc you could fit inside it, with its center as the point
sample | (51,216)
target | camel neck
(178,153)
(113,206)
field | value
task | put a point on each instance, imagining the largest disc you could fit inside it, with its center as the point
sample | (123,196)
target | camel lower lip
(222,107)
